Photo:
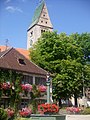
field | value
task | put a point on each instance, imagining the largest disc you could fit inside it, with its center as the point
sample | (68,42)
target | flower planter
(25,112)
(48,109)
(42,88)
(47,117)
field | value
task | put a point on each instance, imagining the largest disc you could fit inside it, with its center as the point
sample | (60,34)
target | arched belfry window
(42,31)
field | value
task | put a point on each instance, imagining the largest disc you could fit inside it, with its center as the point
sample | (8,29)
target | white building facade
(40,23)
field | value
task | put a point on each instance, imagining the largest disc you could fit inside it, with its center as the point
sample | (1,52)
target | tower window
(41,21)
(44,15)
(31,34)
(46,22)
(42,31)
(31,42)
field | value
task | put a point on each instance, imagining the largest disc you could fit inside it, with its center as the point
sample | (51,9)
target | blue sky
(69,16)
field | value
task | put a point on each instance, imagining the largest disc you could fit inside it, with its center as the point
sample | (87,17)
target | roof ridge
(5,52)
(38,66)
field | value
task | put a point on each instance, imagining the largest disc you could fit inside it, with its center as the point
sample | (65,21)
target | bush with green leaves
(86,111)
(3,114)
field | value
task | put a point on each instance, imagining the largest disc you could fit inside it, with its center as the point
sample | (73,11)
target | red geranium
(73,109)
(10,112)
(50,108)
(25,112)
(6,85)
(26,87)
(42,88)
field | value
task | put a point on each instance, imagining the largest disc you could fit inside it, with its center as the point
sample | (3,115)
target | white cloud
(13,9)
(7,1)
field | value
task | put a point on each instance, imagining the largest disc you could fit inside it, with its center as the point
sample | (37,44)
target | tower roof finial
(40,1)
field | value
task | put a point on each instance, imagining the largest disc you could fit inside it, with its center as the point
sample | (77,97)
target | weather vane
(41,1)
(6,43)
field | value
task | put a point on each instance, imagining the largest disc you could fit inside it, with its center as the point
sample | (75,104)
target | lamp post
(84,97)
(48,87)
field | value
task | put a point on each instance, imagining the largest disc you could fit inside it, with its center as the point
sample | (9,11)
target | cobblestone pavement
(77,117)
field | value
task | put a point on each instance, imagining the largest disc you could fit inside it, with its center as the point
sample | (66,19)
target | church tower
(40,23)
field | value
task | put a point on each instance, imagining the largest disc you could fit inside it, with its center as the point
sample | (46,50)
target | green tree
(63,56)
(84,41)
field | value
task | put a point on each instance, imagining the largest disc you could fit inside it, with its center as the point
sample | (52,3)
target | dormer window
(21,61)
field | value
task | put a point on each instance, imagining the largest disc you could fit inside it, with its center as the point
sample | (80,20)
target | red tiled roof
(3,48)
(24,52)
(21,50)
(9,59)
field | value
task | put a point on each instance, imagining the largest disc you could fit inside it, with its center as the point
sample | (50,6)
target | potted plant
(42,89)
(26,88)
(25,112)
(48,108)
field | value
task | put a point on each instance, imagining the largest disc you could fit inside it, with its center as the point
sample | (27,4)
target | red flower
(6,85)
(25,112)
(73,109)
(43,108)
(26,87)
(10,112)
(42,88)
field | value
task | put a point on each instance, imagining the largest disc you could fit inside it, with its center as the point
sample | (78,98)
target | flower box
(25,112)
(73,109)
(48,108)
(26,87)
(10,112)
(42,88)
(6,86)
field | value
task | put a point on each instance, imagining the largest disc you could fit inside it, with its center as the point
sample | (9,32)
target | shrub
(86,111)
(3,114)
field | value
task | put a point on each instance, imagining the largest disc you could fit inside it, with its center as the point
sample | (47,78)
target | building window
(42,31)
(46,22)
(40,81)
(27,79)
(41,21)
(31,34)
(5,102)
(21,61)
(31,42)
(24,103)
(43,15)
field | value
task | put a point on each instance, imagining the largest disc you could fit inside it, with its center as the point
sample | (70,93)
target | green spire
(37,13)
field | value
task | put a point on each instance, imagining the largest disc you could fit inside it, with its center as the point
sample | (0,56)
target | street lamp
(48,87)
(84,97)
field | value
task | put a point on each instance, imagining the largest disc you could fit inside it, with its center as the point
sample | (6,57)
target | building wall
(34,33)
(26,99)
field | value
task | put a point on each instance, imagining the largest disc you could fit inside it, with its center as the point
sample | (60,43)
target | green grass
(86,111)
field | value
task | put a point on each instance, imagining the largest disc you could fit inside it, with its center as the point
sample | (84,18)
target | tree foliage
(63,56)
